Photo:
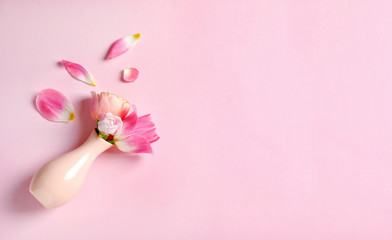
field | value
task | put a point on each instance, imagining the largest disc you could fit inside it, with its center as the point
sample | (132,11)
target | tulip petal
(78,72)
(54,106)
(130,74)
(136,134)
(134,144)
(104,102)
(129,123)
(122,45)
(146,128)
(94,106)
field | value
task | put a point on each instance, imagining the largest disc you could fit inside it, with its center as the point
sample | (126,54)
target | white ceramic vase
(59,180)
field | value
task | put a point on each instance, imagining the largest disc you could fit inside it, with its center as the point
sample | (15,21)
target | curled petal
(78,72)
(54,106)
(122,45)
(130,74)
(134,144)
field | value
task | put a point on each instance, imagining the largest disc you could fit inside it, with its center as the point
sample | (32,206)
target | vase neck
(96,143)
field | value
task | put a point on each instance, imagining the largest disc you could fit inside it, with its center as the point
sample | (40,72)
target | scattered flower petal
(122,45)
(130,74)
(54,106)
(78,72)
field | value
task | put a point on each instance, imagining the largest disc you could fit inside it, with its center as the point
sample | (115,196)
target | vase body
(59,180)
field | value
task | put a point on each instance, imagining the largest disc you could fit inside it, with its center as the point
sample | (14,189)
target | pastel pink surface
(274,116)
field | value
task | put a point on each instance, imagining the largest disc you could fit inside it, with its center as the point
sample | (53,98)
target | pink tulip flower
(104,102)
(119,124)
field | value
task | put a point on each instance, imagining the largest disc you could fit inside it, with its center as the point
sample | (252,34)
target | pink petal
(136,134)
(146,128)
(78,72)
(122,45)
(104,102)
(134,144)
(117,105)
(129,123)
(130,74)
(94,106)
(54,106)
(103,105)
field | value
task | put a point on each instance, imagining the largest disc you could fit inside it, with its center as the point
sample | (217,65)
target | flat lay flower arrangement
(117,120)
(117,124)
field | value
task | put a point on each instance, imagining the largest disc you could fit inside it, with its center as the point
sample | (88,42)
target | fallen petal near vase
(59,180)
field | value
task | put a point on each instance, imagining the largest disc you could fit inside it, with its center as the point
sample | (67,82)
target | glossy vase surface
(59,180)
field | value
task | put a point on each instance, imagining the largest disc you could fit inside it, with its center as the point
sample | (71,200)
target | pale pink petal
(104,102)
(134,144)
(94,106)
(54,106)
(130,74)
(122,45)
(125,110)
(104,105)
(118,106)
(78,72)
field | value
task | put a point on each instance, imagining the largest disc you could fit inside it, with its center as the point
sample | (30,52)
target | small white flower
(109,124)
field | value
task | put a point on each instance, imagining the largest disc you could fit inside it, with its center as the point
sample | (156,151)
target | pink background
(274,116)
